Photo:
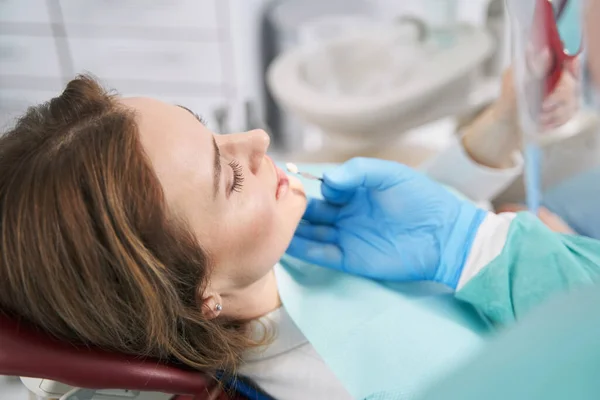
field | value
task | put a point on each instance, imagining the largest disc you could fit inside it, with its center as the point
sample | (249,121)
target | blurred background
(214,56)
(327,79)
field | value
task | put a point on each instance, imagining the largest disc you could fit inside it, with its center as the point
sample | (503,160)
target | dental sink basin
(367,102)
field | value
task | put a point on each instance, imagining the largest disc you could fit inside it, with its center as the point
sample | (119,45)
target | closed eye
(238,176)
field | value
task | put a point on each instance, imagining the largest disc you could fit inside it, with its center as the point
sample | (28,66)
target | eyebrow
(193,113)
(216,157)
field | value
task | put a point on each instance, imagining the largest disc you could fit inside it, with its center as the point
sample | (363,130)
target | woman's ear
(211,305)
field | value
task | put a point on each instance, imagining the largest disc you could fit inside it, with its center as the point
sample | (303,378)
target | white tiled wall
(191,14)
(205,52)
(170,49)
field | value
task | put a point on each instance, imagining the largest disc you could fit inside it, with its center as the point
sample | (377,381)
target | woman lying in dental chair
(127,224)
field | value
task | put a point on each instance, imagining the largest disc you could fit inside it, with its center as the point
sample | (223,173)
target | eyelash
(238,177)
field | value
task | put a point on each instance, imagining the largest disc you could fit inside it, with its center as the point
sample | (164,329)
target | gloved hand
(384,220)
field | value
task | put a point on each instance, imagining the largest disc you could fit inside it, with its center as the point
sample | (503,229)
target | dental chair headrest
(25,351)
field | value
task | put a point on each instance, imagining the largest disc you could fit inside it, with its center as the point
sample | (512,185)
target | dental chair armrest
(25,351)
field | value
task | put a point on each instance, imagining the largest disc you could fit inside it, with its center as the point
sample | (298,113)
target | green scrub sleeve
(534,264)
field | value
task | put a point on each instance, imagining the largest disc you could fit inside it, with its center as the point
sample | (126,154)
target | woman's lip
(283,183)
(282,180)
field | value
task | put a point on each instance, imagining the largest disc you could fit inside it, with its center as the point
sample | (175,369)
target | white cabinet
(28,56)
(165,61)
(174,50)
(19,11)
(191,14)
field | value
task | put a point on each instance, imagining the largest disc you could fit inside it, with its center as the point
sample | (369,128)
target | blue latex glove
(384,220)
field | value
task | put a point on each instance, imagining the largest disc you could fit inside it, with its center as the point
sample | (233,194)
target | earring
(218,307)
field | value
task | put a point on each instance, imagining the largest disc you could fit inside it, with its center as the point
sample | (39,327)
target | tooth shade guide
(292,168)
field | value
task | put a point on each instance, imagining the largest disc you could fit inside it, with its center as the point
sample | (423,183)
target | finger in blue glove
(315,252)
(321,212)
(384,220)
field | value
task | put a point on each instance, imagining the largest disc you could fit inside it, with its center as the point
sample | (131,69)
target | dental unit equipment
(363,89)
(293,169)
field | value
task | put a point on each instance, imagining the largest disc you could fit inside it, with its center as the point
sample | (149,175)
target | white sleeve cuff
(453,167)
(488,244)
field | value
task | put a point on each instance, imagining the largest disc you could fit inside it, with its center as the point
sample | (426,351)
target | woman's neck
(255,300)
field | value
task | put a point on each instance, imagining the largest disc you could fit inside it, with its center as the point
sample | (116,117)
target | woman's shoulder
(289,367)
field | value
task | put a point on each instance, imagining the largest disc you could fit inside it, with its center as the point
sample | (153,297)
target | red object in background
(24,351)
(547,13)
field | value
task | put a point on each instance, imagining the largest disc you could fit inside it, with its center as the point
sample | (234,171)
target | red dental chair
(26,352)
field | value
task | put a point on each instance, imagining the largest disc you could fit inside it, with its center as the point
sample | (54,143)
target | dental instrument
(293,169)
(533,177)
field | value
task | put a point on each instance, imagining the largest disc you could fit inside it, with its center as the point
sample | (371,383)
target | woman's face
(243,209)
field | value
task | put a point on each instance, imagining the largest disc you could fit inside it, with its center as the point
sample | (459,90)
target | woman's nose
(250,147)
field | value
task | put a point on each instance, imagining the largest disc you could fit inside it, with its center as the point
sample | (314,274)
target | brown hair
(89,252)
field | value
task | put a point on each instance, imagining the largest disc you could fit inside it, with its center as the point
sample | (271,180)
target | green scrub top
(553,354)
